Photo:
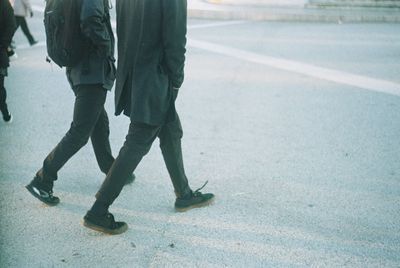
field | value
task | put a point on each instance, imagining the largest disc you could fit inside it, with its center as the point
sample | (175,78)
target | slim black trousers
(90,120)
(137,144)
(21,21)
(3,97)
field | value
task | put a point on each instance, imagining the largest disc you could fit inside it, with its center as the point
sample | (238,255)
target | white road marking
(341,77)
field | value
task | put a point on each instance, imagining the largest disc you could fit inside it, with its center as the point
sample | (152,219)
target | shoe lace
(197,192)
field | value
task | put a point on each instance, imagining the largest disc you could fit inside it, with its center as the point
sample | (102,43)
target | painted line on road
(332,75)
(340,77)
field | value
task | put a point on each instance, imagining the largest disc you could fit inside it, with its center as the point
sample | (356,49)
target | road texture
(294,125)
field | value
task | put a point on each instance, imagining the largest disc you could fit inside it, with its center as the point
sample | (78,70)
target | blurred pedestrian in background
(7,29)
(22,9)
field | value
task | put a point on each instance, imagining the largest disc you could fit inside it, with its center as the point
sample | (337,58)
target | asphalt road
(295,125)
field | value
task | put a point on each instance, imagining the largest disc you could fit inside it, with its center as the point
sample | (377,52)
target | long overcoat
(7,29)
(151,57)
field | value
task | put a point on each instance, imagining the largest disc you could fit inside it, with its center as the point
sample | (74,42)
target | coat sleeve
(9,25)
(93,16)
(174,39)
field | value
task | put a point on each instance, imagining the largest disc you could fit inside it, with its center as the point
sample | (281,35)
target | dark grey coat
(151,56)
(97,65)
(7,29)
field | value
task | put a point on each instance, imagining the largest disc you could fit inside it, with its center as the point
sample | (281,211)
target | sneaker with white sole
(41,193)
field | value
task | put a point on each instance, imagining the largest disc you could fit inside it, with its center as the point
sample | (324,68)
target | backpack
(64,39)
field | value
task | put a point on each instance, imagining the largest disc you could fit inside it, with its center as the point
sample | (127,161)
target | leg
(101,142)
(170,144)
(17,22)
(3,98)
(137,144)
(89,103)
(25,30)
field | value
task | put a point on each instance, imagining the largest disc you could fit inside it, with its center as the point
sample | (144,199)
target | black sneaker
(105,223)
(194,200)
(44,195)
(7,118)
(130,179)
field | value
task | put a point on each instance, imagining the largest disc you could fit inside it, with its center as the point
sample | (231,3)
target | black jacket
(97,65)
(151,57)
(7,29)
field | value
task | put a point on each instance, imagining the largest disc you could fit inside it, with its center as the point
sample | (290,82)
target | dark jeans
(20,21)
(137,144)
(3,97)
(89,120)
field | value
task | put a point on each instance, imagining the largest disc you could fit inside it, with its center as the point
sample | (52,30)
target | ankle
(186,194)
(99,208)
(43,183)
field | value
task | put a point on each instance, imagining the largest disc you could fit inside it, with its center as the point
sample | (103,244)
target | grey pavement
(295,10)
(295,125)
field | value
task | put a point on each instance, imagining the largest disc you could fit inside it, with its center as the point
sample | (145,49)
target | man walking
(90,80)
(7,29)
(22,9)
(151,56)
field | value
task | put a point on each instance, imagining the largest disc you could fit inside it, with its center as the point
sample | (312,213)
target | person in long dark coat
(90,80)
(7,29)
(150,72)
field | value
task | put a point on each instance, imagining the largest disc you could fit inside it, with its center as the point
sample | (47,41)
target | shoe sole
(199,205)
(30,189)
(98,228)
